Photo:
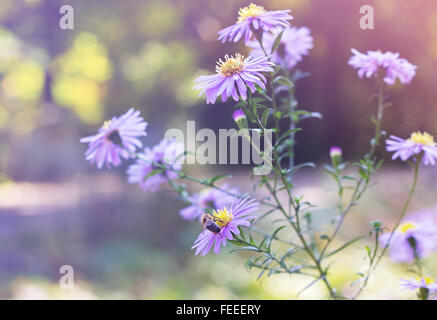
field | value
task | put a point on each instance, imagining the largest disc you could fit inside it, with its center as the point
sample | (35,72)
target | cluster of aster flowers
(222,211)
(119,138)
(236,73)
(375,62)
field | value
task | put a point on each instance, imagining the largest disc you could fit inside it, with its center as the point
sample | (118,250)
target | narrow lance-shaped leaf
(277,42)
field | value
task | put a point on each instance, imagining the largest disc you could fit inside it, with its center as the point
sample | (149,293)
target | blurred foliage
(80,75)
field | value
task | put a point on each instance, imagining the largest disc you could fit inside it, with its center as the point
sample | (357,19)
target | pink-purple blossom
(418,143)
(239,214)
(415,284)
(116,139)
(240,118)
(389,63)
(295,43)
(252,19)
(416,235)
(157,165)
(232,74)
(209,198)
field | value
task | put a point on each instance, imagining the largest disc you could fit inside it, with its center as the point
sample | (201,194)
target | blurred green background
(59,85)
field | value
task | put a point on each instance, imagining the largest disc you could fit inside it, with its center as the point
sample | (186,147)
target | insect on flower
(228,221)
(209,223)
(208,198)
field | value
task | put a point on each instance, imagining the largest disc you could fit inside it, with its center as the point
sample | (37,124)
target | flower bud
(240,118)
(335,154)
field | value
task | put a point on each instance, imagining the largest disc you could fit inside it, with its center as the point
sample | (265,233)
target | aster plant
(262,84)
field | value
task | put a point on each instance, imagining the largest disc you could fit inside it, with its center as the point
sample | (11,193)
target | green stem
(358,191)
(401,216)
(296,226)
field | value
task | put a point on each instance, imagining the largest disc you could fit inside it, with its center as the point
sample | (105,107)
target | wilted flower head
(417,234)
(369,64)
(228,220)
(117,138)
(416,144)
(234,72)
(254,18)
(209,198)
(155,166)
(295,43)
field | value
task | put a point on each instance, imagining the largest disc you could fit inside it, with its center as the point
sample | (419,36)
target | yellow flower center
(422,138)
(428,280)
(106,124)
(404,227)
(222,217)
(231,65)
(250,11)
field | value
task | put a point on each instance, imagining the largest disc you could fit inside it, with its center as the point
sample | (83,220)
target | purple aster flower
(208,198)
(414,284)
(295,43)
(395,67)
(418,231)
(416,144)
(228,222)
(254,18)
(148,171)
(115,139)
(232,73)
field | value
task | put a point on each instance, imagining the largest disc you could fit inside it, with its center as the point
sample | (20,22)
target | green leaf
(249,114)
(260,274)
(324,237)
(236,242)
(301,165)
(265,117)
(218,177)
(152,173)
(273,237)
(347,244)
(287,134)
(311,284)
(310,115)
(277,42)
(248,248)
(289,253)
(283,81)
